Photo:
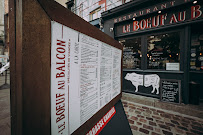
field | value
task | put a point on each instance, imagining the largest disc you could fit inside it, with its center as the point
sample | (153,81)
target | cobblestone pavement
(149,120)
(5,124)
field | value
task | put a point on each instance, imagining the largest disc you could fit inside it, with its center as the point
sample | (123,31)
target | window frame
(193,30)
(162,61)
(95,11)
(144,49)
(81,10)
(129,38)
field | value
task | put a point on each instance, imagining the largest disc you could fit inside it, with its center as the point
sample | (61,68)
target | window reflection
(131,53)
(196,51)
(163,49)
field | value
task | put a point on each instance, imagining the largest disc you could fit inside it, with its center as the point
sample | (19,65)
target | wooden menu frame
(30,59)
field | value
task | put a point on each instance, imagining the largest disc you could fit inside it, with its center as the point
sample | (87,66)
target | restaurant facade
(162,48)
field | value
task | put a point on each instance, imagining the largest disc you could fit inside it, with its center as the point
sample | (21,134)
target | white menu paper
(85,76)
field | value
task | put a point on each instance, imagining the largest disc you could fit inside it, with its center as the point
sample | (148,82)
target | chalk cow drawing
(149,80)
(136,79)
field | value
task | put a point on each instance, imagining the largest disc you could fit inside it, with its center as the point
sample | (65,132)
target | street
(5,124)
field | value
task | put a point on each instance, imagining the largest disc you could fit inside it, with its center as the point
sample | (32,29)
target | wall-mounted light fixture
(111,29)
(194,2)
(134,19)
(159,11)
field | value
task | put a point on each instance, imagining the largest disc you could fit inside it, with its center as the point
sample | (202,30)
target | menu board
(170,90)
(85,76)
(129,59)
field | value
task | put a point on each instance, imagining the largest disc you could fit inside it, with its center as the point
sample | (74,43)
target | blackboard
(170,90)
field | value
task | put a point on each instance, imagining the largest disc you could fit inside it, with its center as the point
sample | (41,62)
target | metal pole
(6,77)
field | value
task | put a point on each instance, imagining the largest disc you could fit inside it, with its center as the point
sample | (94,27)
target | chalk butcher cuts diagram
(149,80)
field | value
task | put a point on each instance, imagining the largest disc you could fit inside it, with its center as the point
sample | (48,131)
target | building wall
(85,8)
(6,6)
(1,20)
(6,28)
(133,33)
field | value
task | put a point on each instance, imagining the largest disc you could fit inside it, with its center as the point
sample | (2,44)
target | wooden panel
(12,52)
(18,66)
(36,61)
(30,43)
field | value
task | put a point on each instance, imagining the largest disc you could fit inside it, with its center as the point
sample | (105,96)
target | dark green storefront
(163,48)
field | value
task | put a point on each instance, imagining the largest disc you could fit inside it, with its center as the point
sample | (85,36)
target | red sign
(151,9)
(179,16)
(97,128)
(159,20)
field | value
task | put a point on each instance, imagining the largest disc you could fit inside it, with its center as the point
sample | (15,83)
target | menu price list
(100,70)
(91,74)
(170,91)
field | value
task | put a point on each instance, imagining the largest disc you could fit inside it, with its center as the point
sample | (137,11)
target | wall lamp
(111,29)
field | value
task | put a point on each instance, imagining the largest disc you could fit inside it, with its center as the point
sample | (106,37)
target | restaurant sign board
(181,15)
(151,9)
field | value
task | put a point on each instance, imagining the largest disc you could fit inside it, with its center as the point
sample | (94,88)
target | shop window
(95,14)
(131,53)
(163,51)
(196,51)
